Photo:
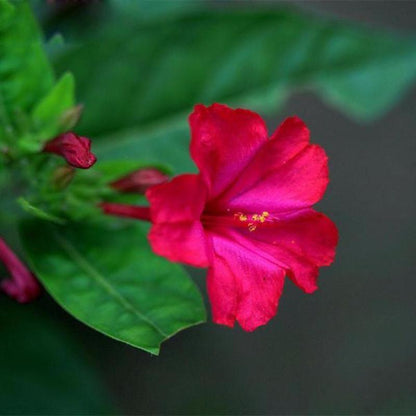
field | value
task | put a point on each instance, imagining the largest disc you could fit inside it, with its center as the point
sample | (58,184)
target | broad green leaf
(157,70)
(109,279)
(48,115)
(43,369)
(25,74)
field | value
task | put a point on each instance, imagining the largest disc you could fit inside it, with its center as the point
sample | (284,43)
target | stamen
(240,216)
(255,219)
(239,219)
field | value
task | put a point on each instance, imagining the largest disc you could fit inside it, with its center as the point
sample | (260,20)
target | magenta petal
(181,199)
(287,173)
(242,285)
(303,243)
(223,143)
(298,184)
(182,242)
(176,208)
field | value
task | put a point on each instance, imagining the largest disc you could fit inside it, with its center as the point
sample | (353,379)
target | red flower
(22,285)
(247,215)
(139,180)
(75,149)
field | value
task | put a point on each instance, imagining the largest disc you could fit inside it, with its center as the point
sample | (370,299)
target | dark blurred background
(348,349)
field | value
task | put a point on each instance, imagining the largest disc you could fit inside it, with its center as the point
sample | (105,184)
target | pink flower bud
(75,149)
(139,180)
(22,285)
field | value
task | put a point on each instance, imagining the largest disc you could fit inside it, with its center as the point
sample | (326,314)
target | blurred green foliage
(159,69)
(44,370)
(25,72)
(32,108)
(139,83)
(49,114)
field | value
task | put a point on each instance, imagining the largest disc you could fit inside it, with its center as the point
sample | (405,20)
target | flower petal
(183,242)
(176,208)
(181,199)
(223,142)
(287,173)
(302,243)
(243,285)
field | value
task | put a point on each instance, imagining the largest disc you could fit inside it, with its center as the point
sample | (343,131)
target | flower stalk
(125,210)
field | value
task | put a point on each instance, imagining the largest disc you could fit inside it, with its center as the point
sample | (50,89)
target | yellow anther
(254,219)
(240,216)
(260,217)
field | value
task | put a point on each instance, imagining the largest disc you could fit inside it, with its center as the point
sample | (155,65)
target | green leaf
(109,279)
(43,369)
(156,70)
(48,115)
(25,73)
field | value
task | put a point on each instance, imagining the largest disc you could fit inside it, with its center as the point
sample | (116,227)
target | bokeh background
(348,349)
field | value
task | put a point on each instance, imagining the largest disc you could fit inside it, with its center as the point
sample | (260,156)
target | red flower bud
(22,285)
(75,149)
(139,180)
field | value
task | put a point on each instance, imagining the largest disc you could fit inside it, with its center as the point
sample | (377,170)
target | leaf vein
(84,264)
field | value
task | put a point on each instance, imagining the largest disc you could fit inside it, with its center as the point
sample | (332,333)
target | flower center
(251,220)
(237,219)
